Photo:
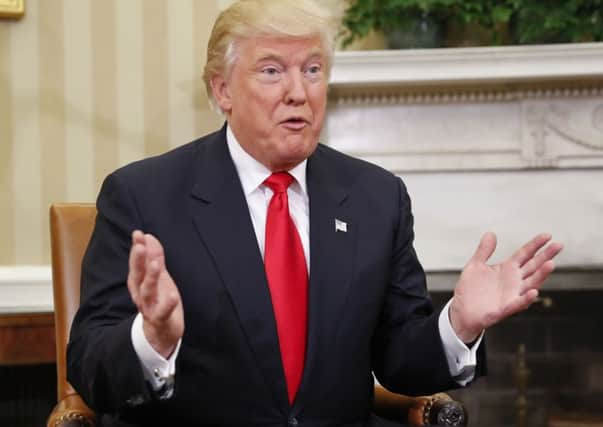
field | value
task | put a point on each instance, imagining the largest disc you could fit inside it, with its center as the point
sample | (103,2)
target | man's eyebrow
(316,54)
(272,56)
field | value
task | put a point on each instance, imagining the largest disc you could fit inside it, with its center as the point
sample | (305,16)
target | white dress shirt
(461,359)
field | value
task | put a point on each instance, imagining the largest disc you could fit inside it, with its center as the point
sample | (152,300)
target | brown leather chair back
(70,229)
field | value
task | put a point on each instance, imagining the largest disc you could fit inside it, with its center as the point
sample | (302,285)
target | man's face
(275,98)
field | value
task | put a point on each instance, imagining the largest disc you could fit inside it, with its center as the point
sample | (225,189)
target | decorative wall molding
(394,95)
(26,289)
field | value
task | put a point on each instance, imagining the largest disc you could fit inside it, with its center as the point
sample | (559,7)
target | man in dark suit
(274,274)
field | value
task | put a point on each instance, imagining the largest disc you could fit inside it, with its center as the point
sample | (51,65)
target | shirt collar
(253,173)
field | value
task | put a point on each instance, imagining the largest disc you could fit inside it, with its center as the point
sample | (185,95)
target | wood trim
(27,339)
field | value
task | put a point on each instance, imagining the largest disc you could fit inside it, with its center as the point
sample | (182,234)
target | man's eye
(271,71)
(313,71)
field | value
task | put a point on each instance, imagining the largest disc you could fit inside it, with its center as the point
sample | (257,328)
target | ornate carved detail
(598,118)
(394,97)
(561,121)
(535,134)
(537,128)
(555,130)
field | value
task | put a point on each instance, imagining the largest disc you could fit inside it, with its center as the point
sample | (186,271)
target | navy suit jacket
(369,310)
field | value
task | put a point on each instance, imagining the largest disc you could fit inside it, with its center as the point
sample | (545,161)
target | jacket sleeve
(101,362)
(408,354)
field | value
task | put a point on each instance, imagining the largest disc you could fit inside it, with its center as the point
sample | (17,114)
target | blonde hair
(253,18)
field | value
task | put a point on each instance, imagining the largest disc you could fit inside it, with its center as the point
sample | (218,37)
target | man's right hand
(155,294)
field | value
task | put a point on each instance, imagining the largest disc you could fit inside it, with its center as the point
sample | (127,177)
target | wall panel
(85,87)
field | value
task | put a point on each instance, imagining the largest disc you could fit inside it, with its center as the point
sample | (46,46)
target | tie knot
(279,182)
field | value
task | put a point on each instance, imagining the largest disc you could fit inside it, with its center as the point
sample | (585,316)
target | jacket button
(293,422)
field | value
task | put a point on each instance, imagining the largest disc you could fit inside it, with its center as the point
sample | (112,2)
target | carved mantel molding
(484,108)
(474,65)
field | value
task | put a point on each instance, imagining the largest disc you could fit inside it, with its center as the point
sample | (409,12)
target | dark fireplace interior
(28,394)
(563,342)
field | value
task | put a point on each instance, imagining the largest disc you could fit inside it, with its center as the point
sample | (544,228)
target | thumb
(486,248)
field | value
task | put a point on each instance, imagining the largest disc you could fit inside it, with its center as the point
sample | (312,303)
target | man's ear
(221,92)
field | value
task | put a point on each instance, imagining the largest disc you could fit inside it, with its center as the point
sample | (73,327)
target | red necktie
(287,276)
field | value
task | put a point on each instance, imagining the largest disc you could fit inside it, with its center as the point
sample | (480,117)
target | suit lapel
(332,253)
(221,216)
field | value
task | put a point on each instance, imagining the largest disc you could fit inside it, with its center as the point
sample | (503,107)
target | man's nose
(295,89)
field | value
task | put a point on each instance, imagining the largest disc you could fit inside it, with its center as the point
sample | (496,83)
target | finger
(137,253)
(536,280)
(522,302)
(136,269)
(137,237)
(168,300)
(154,252)
(549,252)
(154,247)
(485,249)
(527,251)
(150,287)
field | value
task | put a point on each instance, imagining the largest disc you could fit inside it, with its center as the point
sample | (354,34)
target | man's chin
(289,159)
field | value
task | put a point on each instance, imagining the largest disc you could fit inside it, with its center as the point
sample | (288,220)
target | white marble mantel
(508,139)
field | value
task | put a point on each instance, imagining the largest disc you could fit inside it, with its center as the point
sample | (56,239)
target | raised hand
(484,294)
(155,294)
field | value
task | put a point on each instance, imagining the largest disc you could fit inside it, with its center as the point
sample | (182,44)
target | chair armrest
(71,411)
(438,409)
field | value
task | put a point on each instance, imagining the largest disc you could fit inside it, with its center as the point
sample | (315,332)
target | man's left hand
(485,294)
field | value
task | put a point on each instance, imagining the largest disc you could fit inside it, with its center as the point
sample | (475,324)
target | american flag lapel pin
(341,226)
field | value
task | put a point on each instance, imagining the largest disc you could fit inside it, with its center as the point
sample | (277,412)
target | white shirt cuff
(157,369)
(462,360)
